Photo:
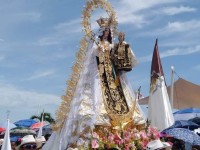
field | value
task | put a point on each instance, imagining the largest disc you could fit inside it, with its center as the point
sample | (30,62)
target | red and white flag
(159,108)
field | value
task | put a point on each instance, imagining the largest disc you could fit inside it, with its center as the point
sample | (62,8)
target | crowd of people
(28,142)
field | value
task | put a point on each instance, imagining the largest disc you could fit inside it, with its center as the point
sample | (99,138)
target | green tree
(46,117)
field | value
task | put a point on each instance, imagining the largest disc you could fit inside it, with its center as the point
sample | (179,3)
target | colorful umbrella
(37,125)
(25,123)
(2,129)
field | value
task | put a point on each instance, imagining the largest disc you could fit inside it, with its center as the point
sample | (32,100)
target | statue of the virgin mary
(100,96)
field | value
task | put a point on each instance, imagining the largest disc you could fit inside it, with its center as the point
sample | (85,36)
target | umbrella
(2,132)
(2,129)
(21,131)
(25,123)
(185,124)
(186,114)
(46,130)
(196,120)
(37,125)
(184,135)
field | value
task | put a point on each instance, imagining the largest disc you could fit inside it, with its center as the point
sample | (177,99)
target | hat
(157,144)
(40,141)
(27,139)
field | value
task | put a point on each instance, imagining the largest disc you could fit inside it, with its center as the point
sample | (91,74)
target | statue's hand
(100,48)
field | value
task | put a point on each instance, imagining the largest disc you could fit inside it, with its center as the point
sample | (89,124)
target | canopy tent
(186,95)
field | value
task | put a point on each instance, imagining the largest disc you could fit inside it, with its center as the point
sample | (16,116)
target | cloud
(127,13)
(177,10)
(180,26)
(180,51)
(174,28)
(41,74)
(136,12)
(61,32)
(130,18)
(173,52)
(136,5)
(65,25)
(24,102)
(28,16)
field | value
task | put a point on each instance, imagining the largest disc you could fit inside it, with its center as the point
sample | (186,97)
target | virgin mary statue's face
(106,32)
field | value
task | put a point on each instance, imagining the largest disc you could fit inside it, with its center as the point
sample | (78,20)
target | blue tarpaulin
(25,123)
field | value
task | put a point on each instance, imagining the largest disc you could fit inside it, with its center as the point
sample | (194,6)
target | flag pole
(138,93)
(172,87)
(41,127)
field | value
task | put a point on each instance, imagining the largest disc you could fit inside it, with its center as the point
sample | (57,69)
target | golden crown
(104,22)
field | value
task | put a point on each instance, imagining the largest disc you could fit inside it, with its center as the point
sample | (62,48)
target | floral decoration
(130,139)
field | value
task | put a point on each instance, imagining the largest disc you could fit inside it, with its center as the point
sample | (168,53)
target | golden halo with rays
(89,8)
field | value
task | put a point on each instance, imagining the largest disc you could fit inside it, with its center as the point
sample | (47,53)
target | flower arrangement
(129,139)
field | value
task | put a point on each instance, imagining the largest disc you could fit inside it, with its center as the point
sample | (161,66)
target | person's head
(1,142)
(121,36)
(28,146)
(106,35)
(157,144)
(47,136)
(13,145)
(40,141)
(27,143)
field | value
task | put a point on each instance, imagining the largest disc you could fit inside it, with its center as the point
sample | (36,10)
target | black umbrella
(196,120)
(185,124)
(45,130)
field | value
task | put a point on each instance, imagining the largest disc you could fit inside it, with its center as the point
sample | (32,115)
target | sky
(39,40)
